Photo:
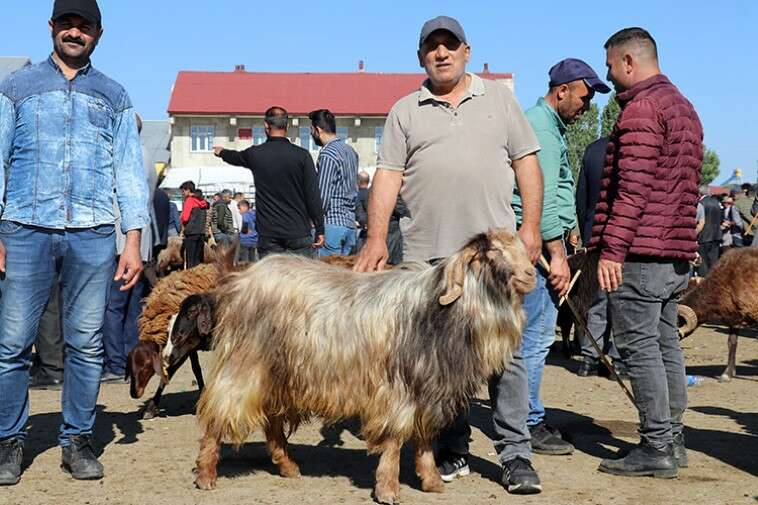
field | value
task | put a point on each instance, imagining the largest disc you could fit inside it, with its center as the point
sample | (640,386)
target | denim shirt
(68,148)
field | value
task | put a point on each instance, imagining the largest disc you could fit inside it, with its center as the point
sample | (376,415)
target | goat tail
(231,408)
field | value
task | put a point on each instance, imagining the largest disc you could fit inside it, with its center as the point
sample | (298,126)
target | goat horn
(690,320)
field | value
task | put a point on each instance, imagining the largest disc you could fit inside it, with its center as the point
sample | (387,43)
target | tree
(710,168)
(579,135)
(610,114)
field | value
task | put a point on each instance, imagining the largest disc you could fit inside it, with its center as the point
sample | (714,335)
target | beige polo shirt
(456,163)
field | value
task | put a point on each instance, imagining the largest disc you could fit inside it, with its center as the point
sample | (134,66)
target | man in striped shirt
(337,168)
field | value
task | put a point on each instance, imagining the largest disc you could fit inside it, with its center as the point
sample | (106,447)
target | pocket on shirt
(100,114)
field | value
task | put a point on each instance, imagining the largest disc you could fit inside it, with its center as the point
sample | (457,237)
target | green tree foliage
(581,134)
(710,168)
(610,114)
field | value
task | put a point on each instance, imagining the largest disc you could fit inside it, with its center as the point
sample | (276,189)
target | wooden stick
(571,286)
(579,319)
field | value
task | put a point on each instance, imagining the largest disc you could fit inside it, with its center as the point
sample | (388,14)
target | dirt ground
(151,461)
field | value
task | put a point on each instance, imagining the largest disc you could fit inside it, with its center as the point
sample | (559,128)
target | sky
(708,49)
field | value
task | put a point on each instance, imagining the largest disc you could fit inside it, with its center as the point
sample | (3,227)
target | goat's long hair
(401,349)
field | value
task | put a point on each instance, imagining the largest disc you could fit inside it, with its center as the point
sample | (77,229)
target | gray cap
(442,23)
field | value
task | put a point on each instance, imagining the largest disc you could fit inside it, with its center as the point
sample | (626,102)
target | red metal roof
(251,93)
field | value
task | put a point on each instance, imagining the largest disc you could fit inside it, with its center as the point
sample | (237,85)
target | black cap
(87,9)
(442,23)
(572,69)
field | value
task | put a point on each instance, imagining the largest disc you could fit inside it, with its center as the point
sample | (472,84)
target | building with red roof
(227,108)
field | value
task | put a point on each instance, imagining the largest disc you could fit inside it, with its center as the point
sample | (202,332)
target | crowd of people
(458,156)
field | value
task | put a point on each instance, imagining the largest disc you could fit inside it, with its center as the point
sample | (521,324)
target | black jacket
(287,198)
(588,186)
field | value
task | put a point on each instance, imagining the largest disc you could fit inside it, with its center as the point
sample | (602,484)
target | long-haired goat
(403,350)
(728,295)
(170,259)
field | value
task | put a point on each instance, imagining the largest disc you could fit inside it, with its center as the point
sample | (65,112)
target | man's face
(227,197)
(74,38)
(242,208)
(444,58)
(185,193)
(618,65)
(574,100)
(316,137)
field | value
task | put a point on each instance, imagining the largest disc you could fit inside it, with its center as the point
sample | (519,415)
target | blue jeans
(85,261)
(541,307)
(338,240)
(120,333)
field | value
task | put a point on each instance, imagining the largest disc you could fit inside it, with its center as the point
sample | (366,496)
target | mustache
(74,40)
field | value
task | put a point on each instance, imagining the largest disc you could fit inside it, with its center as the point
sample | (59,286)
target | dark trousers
(271,245)
(120,333)
(247,254)
(709,253)
(193,250)
(394,244)
(48,359)
(644,319)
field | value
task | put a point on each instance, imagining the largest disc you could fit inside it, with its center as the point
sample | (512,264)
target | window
(306,141)
(378,131)
(201,139)
(343,132)
(245,133)
(259,135)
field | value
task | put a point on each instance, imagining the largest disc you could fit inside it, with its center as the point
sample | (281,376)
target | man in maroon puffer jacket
(645,230)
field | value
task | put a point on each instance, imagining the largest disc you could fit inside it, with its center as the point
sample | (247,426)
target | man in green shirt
(572,85)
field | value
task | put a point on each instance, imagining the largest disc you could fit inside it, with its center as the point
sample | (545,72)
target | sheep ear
(455,275)
(205,317)
(158,368)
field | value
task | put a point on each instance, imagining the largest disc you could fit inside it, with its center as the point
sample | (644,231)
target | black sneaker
(519,477)
(451,465)
(79,459)
(42,381)
(587,368)
(680,452)
(641,461)
(11,452)
(548,440)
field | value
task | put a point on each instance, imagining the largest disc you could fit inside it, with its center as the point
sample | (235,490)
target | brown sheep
(402,349)
(170,258)
(726,296)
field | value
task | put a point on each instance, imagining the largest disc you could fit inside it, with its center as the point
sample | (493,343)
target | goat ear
(455,275)
(205,317)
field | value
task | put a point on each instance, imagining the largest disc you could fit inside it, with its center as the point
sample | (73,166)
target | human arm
(529,180)
(7,131)
(328,177)
(381,202)
(187,207)
(313,198)
(232,157)
(700,218)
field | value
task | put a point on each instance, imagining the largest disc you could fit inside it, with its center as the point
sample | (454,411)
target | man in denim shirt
(69,146)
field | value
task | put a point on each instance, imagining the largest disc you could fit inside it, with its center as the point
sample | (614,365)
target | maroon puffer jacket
(649,195)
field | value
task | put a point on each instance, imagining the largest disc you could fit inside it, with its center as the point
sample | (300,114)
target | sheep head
(191,329)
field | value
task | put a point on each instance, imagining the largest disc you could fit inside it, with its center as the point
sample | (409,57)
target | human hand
(217,150)
(610,275)
(130,263)
(373,256)
(319,242)
(2,257)
(532,239)
(560,275)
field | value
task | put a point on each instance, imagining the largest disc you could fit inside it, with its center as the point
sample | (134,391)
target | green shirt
(558,204)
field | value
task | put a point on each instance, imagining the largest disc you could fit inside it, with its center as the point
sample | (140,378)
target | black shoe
(643,460)
(42,381)
(451,465)
(680,452)
(548,440)
(519,477)
(79,459)
(11,452)
(587,368)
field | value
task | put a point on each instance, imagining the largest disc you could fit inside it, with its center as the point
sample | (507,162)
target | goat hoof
(150,412)
(725,378)
(433,485)
(205,483)
(290,471)
(386,496)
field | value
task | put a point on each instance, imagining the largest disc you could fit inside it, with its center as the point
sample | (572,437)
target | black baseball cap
(87,9)
(572,69)
(442,23)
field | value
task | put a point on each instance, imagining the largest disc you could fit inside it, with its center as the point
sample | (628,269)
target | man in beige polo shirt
(453,150)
